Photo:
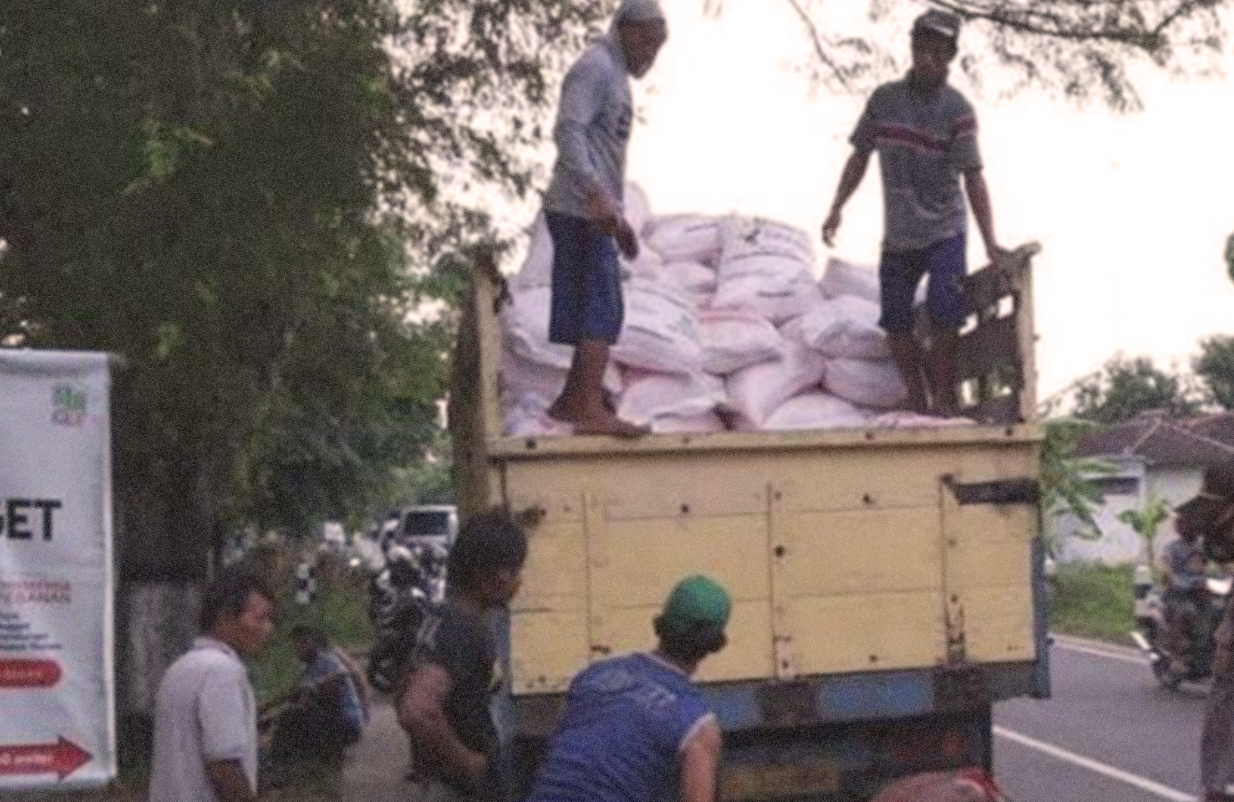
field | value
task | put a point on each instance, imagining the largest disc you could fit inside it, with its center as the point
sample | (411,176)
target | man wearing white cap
(583,208)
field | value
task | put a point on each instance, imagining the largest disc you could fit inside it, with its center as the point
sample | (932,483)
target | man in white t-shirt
(205,719)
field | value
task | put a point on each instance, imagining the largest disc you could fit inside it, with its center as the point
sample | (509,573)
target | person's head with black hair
(308,642)
(691,626)
(1210,513)
(237,608)
(935,42)
(486,560)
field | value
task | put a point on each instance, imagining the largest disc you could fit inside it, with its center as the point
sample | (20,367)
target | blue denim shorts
(900,272)
(587,303)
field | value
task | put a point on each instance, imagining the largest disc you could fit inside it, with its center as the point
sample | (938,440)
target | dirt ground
(373,773)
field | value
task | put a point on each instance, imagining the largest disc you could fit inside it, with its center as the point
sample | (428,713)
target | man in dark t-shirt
(444,696)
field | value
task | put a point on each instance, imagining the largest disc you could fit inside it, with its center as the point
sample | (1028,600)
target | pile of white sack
(726,327)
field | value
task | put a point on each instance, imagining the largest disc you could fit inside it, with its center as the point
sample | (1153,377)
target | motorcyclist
(1186,596)
(1211,515)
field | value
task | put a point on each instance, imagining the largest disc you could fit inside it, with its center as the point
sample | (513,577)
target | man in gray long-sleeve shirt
(583,208)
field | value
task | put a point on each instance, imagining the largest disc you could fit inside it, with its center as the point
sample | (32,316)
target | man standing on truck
(583,209)
(444,700)
(925,133)
(635,728)
(1211,515)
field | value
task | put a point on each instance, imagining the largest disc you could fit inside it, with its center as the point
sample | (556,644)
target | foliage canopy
(257,203)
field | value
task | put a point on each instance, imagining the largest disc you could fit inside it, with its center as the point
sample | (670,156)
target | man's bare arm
(850,179)
(700,762)
(229,781)
(979,200)
(422,713)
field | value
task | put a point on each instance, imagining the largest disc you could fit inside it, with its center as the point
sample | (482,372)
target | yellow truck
(887,583)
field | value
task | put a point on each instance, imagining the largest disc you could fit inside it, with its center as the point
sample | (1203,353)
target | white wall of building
(1119,543)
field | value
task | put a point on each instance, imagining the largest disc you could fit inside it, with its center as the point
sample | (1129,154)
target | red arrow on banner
(61,758)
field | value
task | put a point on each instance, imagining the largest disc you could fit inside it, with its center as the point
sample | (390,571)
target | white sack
(708,423)
(766,268)
(670,394)
(526,416)
(520,377)
(636,207)
(841,277)
(524,326)
(686,237)
(537,269)
(868,382)
(695,278)
(661,328)
(648,264)
(816,411)
(846,326)
(757,391)
(735,340)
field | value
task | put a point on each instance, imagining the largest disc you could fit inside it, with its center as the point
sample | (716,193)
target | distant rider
(1182,568)
(1210,515)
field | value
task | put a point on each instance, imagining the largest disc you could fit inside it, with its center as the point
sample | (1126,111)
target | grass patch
(1094,601)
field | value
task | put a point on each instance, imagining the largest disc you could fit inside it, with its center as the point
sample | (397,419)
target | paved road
(1110,734)
(374,770)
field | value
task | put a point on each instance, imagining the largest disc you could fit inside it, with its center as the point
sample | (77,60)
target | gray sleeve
(864,135)
(582,99)
(962,151)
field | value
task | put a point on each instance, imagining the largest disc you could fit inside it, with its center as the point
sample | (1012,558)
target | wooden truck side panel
(842,560)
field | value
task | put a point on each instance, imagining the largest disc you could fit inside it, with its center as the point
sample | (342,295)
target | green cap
(696,600)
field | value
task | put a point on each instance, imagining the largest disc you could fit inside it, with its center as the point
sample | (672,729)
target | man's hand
(996,254)
(627,240)
(229,781)
(605,211)
(850,179)
(830,226)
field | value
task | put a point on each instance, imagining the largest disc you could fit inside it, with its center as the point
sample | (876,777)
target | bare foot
(565,409)
(609,425)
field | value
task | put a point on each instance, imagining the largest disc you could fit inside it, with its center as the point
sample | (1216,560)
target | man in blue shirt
(635,728)
(325,714)
(925,133)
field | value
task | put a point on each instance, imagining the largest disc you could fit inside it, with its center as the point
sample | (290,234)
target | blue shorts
(900,272)
(587,302)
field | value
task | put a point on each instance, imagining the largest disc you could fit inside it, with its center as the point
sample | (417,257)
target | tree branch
(1057,26)
(816,40)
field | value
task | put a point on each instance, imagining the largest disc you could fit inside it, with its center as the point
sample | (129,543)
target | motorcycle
(1151,635)
(412,583)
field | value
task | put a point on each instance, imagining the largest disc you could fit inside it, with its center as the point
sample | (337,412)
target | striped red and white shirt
(925,140)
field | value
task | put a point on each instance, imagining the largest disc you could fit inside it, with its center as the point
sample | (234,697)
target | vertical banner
(57,694)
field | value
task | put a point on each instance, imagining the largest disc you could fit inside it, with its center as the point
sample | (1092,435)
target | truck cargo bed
(878,575)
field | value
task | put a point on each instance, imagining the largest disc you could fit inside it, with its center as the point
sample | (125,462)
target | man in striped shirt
(925,133)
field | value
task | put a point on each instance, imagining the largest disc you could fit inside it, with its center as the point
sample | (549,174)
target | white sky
(1133,210)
